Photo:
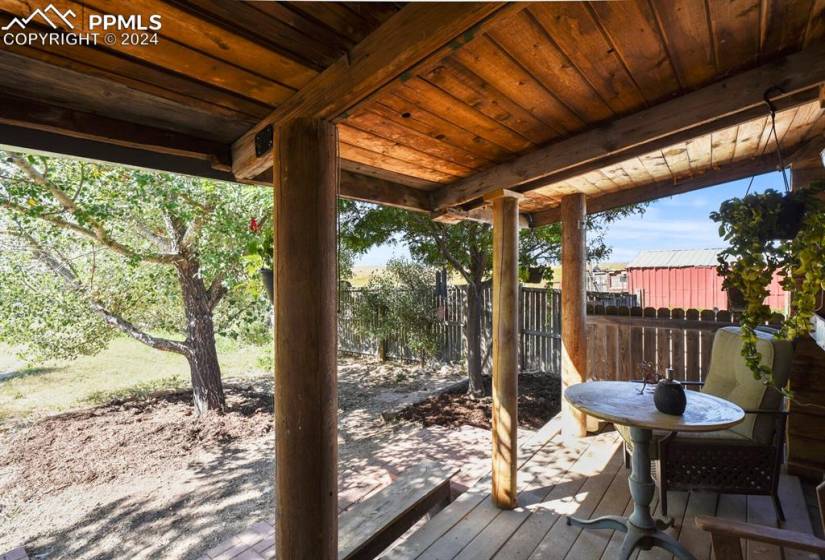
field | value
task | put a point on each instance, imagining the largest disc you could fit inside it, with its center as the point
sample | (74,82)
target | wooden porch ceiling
(438,104)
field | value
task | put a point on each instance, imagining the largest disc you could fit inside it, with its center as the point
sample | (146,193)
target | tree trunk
(202,355)
(474,312)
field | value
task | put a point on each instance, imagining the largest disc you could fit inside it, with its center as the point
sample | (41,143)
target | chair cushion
(730,378)
(721,435)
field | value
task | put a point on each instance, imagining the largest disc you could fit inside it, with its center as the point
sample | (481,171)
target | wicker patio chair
(745,459)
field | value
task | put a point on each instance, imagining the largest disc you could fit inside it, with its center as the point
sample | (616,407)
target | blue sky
(679,222)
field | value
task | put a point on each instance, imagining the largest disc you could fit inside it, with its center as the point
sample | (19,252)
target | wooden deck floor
(584,479)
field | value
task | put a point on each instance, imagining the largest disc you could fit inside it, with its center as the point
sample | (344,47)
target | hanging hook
(772,109)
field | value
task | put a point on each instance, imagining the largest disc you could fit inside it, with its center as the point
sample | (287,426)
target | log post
(306,402)
(573,307)
(505,347)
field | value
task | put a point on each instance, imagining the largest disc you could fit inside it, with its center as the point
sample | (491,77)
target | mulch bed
(539,400)
(135,436)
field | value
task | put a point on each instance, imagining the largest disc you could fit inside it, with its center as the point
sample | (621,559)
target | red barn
(684,278)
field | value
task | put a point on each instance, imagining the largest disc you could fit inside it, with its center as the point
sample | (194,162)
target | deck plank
(592,544)
(430,532)
(459,536)
(796,514)
(585,480)
(540,480)
(561,536)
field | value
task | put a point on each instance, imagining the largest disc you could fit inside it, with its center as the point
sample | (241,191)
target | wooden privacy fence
(619,339)
(539,320)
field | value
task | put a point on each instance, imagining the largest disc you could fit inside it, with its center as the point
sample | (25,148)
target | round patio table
(625,403)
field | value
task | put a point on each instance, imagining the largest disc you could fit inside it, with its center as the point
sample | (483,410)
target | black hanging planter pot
(535,274)
(267,278)
(788,220)
(736,299)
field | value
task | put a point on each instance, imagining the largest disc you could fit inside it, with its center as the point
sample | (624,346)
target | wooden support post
(306,402)
(505,347)
(573,307)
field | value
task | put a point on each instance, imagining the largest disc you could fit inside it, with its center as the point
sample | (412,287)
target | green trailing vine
(749,225)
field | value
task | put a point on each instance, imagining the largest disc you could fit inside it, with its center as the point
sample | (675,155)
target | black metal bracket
(263,141)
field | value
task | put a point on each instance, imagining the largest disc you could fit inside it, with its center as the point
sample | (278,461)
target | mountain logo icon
(44,15)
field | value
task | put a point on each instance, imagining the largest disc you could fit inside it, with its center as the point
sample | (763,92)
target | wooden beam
(483,214)
(78,124)
(662,189)
(573,308)
(822,96)
(417,31)
(714,107)
(505,348)
(306,404)
(371,189)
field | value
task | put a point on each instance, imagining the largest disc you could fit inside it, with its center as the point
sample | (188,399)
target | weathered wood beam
(714,107)
(306,402)
(78,124)
(372,189)
(662,189)
(505,348)
(415,33)
(822,96)
(483,214)
(573,308)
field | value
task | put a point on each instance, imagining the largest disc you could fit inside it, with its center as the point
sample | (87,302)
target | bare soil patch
(135,438)
(145,479)
(539,400)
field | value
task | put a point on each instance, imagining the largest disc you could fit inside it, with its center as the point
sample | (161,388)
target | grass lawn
(125,368)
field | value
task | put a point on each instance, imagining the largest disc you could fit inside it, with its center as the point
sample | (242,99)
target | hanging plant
(771,233)
(258,256)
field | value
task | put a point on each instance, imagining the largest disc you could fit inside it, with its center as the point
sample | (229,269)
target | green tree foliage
(466,248)
(91,250)
(399,301)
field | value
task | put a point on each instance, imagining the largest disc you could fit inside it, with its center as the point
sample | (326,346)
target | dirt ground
(539,399)
(145,479)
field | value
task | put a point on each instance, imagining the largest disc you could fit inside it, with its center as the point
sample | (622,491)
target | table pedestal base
(641,530)
(644,539)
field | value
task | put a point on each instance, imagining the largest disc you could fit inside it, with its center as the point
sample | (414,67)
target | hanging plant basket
(783,222)
(535,274)
(736,299)
(267,279)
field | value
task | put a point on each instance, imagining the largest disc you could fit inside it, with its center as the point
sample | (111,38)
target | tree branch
(216,291)
(112,319)
(445,252)
(97,232)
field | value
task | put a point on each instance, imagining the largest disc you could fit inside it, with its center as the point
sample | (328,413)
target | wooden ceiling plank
(485,58)
(747,139)
(572,27)
(786,24)
(389,176)
(723,145)
(816,25)
(404,113)
(310,27)
(359,154)
(217,41)
(677,159)
(528,43)
(724,103)
(424,95)
(25,77)
(460,82)
(735,33)
(684,25)
(382,146)
(142,77)
(370,121)
(243,17)
(633,31)
(404,40)
(662,189)
(175,57)
(699,152)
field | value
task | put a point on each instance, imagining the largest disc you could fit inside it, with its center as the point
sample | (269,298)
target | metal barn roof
(675,258)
